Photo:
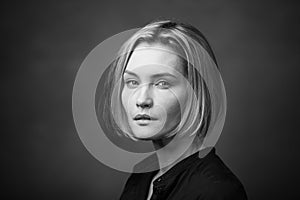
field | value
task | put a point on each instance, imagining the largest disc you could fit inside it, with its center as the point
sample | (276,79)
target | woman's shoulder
(214,180)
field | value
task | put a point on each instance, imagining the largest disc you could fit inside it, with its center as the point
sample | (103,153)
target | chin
(147,135)
(144,135)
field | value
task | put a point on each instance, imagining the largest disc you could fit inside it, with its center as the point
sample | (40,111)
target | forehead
(155,56)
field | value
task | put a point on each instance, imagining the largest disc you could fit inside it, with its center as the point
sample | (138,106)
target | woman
(164,92)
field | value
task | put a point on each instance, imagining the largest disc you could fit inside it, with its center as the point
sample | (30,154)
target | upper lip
(143,116)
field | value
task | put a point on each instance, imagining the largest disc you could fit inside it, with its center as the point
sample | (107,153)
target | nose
(144,99)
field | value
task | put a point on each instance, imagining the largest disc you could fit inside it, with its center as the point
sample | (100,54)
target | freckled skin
(158,97)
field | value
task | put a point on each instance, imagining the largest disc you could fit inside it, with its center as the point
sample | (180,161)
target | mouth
(143,118)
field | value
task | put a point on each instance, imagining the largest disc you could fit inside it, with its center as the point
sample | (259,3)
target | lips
(143,117)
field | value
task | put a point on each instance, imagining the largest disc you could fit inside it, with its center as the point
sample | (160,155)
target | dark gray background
(44,43)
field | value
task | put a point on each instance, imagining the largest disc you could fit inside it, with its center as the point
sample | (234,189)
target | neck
(172,150)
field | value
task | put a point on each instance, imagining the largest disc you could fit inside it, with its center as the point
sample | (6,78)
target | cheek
(171,105)
(177,100)
(125,99)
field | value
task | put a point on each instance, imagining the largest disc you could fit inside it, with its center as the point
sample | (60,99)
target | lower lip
(143,122)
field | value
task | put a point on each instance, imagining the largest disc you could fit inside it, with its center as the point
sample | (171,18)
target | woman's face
(153,87)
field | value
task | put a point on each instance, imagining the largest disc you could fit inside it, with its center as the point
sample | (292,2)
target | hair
(184,39)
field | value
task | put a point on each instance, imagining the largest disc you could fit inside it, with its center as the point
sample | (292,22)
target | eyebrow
(153,76)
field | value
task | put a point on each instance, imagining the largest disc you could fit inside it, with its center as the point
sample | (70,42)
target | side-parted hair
(182,38)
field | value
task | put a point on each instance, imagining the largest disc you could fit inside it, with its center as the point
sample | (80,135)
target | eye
(163,84)
(132,83)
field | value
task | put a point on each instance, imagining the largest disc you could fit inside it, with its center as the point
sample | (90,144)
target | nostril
(143,105)
(144,102)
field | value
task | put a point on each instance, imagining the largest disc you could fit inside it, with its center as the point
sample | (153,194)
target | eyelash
(166,86)
(130,81)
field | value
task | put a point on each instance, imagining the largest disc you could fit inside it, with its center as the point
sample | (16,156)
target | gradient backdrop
(257,48)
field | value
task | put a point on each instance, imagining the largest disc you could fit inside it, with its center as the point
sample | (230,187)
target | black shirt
(193,178)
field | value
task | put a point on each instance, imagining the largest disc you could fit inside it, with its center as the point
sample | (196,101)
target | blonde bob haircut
(183,38)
